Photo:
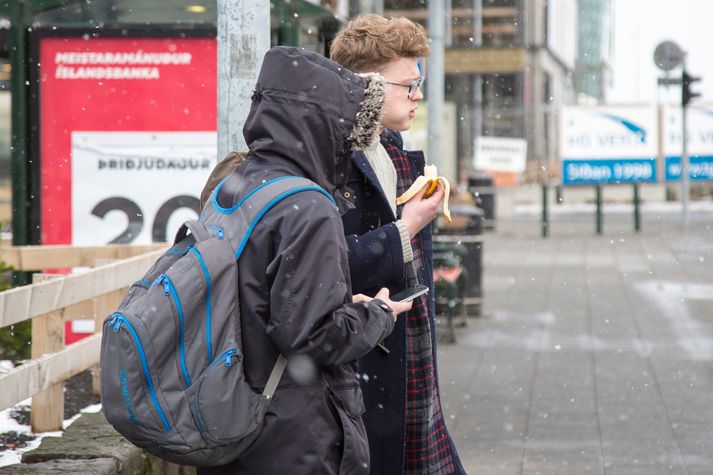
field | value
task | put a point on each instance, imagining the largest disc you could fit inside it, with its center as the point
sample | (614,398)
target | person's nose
(417,95)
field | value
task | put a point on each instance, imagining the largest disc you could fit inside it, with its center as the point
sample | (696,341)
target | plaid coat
(389,381)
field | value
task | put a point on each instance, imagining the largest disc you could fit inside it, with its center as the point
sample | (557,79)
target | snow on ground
(8,424)
(5,366)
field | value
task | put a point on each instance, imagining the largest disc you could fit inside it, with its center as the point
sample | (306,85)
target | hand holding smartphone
(410,293)
(402,297)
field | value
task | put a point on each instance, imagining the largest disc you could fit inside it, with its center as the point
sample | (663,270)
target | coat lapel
(362,164)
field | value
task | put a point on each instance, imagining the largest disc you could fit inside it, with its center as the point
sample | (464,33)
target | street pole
(477,78)
(545,214)
(19,145)
(243,40)
(379,7)
(435,83)
(684,160)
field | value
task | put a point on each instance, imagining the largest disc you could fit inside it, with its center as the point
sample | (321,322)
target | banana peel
(430,180)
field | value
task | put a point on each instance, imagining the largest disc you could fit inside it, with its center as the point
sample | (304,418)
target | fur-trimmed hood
(311,112)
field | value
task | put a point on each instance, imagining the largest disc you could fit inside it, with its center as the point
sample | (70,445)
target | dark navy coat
(375,261)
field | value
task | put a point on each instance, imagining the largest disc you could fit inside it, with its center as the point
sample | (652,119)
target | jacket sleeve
(376,258)
(310,297)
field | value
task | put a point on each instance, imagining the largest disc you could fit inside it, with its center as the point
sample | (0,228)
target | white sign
(608,132)
(500,154)
(700,142)
(137,187)
(608,144)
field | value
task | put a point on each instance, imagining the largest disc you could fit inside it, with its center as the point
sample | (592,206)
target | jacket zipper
(170,291)
(119,319)
(206,274)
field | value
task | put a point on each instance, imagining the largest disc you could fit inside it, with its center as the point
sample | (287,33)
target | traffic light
(686,93)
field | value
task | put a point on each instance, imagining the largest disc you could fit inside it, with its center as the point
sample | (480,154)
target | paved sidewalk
(594,354)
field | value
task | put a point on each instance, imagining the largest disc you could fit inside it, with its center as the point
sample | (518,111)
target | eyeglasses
(412,86)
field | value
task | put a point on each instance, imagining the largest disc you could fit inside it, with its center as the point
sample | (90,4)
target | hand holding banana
(430,180)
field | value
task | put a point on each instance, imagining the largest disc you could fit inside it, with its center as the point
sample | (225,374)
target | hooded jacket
(295,292)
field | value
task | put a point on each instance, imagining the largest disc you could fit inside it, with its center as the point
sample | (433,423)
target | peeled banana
(429,179)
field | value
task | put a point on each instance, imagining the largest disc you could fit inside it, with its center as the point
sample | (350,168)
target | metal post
(435,83)
(448,24)
(477,23)
(598,189)
(20,146)
(243,40)
(477,78)
(684,161)
(545,214)
(379,7)
(637,213)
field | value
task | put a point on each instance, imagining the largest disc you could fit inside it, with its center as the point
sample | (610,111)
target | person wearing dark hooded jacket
(295,291)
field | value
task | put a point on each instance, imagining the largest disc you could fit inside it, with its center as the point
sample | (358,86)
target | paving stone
(89,437)
(103,466)
(564,465)
(663,452)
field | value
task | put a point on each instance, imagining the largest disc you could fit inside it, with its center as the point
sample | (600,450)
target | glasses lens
(413,85)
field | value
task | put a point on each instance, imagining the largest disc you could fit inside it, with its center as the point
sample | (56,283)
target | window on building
(502,105)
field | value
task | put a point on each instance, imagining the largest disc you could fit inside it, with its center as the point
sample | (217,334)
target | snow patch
(8,424)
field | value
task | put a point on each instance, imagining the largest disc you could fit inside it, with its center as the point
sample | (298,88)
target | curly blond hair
(369,42)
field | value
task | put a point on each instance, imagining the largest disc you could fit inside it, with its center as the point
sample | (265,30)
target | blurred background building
(594,48)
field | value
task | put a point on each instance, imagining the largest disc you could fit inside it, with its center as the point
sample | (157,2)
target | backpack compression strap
(275,376)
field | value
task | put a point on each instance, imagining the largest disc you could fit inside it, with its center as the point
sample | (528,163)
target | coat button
(347,195)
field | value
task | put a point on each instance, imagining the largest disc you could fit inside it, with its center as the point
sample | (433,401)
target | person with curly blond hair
(390,246)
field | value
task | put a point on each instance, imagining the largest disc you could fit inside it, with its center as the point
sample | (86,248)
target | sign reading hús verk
(601,145)
(700,142)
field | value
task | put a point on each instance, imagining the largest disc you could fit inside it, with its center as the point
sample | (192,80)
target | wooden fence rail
(53,299)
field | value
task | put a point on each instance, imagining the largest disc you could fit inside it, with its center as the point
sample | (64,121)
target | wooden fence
(53,299)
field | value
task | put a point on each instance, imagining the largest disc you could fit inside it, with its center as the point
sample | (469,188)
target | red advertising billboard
(127,138)
(127,135)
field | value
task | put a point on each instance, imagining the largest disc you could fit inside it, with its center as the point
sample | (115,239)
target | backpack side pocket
(226,409)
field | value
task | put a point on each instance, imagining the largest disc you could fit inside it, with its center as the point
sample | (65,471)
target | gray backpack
(172,378)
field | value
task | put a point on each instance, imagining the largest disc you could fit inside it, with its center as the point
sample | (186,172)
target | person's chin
(403,126)
(400,126)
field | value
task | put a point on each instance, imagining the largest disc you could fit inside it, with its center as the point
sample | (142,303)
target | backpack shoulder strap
(264,197)
(247,213)
(241,218)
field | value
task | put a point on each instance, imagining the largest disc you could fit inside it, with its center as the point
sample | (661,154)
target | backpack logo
(127,398)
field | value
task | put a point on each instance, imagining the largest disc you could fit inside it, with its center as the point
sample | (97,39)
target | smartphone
(410,293)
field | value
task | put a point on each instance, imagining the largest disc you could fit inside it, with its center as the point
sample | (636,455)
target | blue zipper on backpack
(116,321)
(219,231)
(206,274)
(226,356)
(170,290)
